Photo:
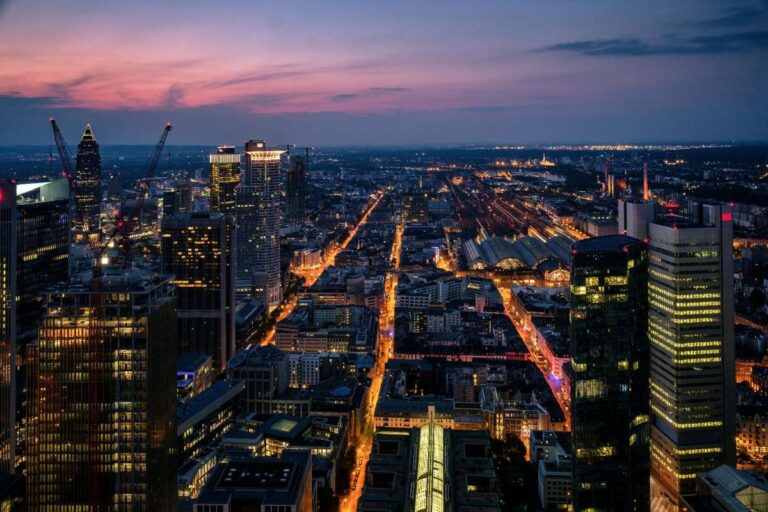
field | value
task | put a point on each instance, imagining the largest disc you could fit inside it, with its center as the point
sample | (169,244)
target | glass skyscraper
(198,250)
(225,177)
(102,421)
(609,389)
(258,222)
(86,188)
(296,191)
(34,249)
(692,347)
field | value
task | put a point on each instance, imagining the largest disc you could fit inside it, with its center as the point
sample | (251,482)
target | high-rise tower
(634,217)
(225,177)
(102,422)
(198,250)
(692,347)
(258,222)
(34,246)
(296,191)
(609,389)
(86,188)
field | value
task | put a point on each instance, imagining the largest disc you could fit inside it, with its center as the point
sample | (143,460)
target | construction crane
(96,318)
(66,160)
(123,224)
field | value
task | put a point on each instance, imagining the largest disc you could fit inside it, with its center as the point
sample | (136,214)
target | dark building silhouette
(198,250)
(610,363)
(102,422)
(296,191)
(170,202)
(86,187)
(416,207)
(34,249)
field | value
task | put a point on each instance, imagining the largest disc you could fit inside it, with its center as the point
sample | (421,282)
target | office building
(102,430)
(194,374)
(296,191)
(634,217)
(609,388)
(225,177)
(198,250)
(201,421)
(692,347)
(170,202)
(86,187)
(416,207)
(34,248)
(244,483)
(265,371)
(258,222)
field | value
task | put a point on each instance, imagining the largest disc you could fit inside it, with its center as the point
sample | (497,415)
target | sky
(375,72)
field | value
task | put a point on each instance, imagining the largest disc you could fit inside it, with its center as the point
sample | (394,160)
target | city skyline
(448,73)
(430,256)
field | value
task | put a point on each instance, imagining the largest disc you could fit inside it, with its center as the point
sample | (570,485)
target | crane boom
(61,146)
(123,226)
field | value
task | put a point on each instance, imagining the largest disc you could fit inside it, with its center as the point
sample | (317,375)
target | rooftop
(610,243)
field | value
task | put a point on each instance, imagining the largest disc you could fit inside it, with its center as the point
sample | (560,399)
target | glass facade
(102,422)
(197,249)
(610,366)
(296,191)
(225,177)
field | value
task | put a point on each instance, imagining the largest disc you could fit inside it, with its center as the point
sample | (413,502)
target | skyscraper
(102,423)
(692,347)
(225,177)
(609,389)
(198,250)
(634,217)
(8,252)
(296,191)
(86,187)
(34,245)
(258,222)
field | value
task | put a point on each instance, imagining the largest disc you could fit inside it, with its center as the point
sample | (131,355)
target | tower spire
(88,133)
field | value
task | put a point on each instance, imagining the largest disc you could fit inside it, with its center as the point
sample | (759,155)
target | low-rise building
(244,483)
(726,489)
(430,468)
(194,374)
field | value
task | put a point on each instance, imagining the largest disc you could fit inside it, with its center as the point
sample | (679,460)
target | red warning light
(726,216)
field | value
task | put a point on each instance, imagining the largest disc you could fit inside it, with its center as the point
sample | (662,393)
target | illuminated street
(383,353)
(555,385)
(311,275)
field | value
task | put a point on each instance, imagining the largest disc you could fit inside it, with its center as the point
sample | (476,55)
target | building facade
(86,187)
(198,250)
(258,222)
(34,249)
(610,361)
(225,177)
(692,347)
(102,421)
(296,191)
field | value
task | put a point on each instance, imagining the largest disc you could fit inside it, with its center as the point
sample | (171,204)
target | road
(383,353)
(311,275)
(555,385)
